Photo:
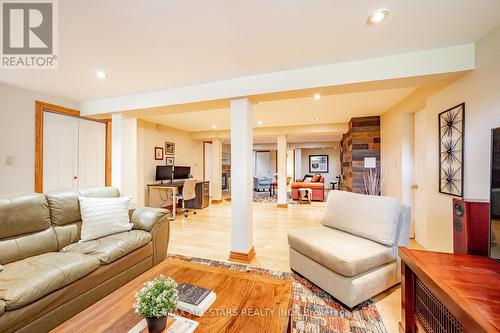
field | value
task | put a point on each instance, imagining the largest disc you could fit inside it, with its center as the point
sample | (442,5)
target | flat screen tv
(495,195)
(163,172)
(181,172)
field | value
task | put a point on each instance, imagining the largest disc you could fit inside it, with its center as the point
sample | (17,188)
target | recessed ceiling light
(101,74)
(317,96)
(317,119)
(377,16)
(214,126)
(259,122)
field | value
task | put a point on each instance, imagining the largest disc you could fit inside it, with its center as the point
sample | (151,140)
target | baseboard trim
(282,205)
(216,201)
(245,258)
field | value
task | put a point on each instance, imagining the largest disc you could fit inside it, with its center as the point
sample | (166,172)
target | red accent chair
(317,187)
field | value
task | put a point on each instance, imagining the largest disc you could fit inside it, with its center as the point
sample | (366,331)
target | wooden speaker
(471,222)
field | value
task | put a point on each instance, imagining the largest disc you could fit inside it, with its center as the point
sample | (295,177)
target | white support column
(282,195)
(241,181)
(124,154)
(216,170)
(298,163)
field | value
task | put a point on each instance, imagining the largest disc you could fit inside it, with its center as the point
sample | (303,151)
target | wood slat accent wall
(362,140)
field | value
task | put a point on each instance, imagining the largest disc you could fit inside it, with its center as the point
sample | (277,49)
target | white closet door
(60,152)
(92,153)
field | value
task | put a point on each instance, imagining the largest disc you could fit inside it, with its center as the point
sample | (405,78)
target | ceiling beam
(268,132)
(436,61)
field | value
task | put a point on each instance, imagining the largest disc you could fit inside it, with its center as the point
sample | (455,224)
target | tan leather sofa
(49,276)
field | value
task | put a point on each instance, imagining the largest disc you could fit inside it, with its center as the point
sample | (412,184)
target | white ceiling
(338,108)
(156,44)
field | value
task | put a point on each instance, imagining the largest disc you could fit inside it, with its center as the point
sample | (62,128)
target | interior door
(60,152)
(420,207)
(91,153)
(262,163)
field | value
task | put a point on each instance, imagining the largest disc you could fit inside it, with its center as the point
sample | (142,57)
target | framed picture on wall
(318,163)
(451,150)
(170,160)
(158,153)
(169,148)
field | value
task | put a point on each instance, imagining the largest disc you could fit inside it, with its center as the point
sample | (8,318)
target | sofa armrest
(145,218)
(154,221)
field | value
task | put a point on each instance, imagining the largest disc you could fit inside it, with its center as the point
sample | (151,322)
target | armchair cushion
(316,178)
(297,185)
(373,217)
(341,252)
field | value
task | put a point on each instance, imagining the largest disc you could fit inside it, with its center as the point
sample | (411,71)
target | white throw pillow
(103,216)
(368,216)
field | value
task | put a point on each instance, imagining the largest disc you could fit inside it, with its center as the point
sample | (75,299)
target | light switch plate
(8,160)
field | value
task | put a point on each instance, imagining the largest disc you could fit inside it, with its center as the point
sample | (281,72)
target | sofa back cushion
(65,207)
(25,228)
(372,217)
(65,211)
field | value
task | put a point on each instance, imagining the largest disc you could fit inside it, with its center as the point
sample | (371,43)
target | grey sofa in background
(262,182)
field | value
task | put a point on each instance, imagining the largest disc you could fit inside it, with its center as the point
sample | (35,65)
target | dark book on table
(190,294)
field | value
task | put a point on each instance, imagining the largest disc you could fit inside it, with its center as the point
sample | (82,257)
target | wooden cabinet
(202,199)
(443,292)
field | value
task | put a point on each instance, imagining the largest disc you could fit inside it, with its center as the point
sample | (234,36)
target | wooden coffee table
(245,302)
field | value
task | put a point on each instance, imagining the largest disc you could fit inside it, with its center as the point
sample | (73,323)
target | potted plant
(155,300)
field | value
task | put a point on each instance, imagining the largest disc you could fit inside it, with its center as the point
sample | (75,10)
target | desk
(173,186)
(202,194)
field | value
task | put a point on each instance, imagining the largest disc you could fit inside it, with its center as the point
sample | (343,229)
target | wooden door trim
(40,108)
(204,152)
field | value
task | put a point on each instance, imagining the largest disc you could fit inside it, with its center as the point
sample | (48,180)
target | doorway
(421,179)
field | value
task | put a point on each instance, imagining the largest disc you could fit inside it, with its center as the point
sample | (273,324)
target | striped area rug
(313,309)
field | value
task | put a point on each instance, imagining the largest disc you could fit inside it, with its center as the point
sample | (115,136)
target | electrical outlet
(8,160)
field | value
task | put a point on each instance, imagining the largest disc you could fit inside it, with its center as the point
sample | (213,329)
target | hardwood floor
(208,235)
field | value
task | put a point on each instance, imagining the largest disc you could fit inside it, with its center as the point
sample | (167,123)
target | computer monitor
(163,172)
(182,172)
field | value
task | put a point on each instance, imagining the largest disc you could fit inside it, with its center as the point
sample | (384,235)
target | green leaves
(156,298)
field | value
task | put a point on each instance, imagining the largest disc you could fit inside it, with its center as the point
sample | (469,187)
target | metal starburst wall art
(451,149)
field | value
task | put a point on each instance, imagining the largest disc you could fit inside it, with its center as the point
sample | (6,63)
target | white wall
(17,136)
(188,152)
(333,162)
(480,91)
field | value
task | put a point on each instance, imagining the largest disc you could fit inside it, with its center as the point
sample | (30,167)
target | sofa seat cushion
(112,247)
(341,252)
(318,186)
(25,281)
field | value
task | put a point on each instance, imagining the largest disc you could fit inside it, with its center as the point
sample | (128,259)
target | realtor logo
(29,32)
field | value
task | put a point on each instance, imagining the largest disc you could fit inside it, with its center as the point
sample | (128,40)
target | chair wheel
(185,215)
(194,213)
